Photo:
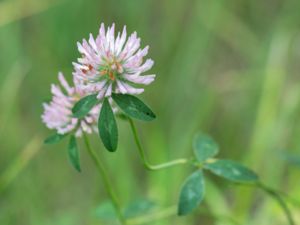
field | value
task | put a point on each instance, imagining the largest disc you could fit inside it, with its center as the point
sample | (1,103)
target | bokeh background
(228,68)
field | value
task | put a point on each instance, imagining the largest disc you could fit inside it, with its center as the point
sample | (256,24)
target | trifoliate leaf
(107,126)
(204,147)
(232,171)
(55,138)
(84,106)
(192,193)
(133,107)
(73,153)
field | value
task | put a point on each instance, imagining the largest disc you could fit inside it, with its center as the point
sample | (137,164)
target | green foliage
(73,153)
(230,68)
(138,207)
(106,211)
(121,116)
(191,194)
(292,159)
(84,106)
(232,171)
(204,147)
(133,107)
(107,126)
(55,138)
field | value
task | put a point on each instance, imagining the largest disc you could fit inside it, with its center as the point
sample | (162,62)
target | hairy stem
(143,154)
(106,180)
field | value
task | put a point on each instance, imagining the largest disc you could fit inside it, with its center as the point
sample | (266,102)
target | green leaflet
(73,153)
(139,207)
(55,138)
(232,171)
(192,193)
(133,107)
(84,106)
(107,126)
(106,211)
(204,147)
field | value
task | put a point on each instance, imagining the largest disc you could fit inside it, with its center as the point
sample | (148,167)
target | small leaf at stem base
(106,211)
(138,207)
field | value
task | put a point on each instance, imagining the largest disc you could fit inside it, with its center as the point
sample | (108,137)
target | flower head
(58,113)
(112,65)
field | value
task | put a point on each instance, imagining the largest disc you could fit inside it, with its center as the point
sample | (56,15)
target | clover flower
(58,113)
(112,65)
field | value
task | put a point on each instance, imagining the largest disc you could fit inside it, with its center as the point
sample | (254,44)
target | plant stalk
(142,153)
(106,180)
(276,196)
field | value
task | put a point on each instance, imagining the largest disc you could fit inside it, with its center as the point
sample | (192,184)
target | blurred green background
(228,68)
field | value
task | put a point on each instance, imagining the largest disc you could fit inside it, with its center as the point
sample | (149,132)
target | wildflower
(58,113)
(112,65)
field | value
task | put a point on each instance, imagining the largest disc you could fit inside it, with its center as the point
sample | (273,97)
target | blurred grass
(229,68)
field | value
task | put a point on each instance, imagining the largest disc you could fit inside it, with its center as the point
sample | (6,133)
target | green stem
(143,154)
(274,194)
(105,179)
